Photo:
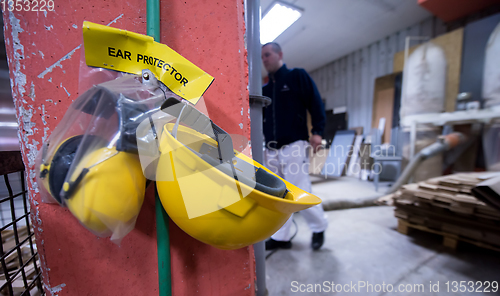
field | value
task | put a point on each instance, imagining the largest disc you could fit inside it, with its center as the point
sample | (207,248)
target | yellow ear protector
(106,187)
(53,171)
(214,193)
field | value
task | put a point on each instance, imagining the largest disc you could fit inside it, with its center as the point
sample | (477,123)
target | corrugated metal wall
(349,81)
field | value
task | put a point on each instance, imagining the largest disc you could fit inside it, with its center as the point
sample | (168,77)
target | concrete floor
(363,245)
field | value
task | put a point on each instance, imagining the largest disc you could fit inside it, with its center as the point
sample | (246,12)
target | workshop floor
(363,247)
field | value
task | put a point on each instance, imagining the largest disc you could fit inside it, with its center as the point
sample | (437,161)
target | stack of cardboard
(445,205)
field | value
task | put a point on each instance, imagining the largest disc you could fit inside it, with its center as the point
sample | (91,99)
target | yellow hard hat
(227,202)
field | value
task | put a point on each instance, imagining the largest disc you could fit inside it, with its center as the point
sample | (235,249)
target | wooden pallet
(449,240)
(18,284)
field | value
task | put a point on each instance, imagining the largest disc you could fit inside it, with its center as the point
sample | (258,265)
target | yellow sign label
(125,51)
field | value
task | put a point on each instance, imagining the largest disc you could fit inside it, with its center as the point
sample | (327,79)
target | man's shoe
(317,240)
(272,244)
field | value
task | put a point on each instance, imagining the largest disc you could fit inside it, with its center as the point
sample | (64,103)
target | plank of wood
(459,203)
(450,242)
(450,237)
(403,227)
(383,104)
(8,234)
(10,244)
(444,216)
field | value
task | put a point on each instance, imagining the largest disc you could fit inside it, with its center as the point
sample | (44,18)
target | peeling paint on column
(114,21)
(28,129)
(28,125)
(38,220)
(43,115)
(45,135)
(20,78)
(38,217)
(58,63)
(34,184)
(67,92)
(32,91)
(55,289)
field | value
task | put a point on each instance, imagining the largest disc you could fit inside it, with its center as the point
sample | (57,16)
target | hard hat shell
(211,205)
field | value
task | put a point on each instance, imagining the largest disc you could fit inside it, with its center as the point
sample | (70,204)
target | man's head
(272,57)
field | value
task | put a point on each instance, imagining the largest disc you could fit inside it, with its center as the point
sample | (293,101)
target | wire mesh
(20,272)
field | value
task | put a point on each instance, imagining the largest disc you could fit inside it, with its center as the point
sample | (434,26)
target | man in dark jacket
(293,93)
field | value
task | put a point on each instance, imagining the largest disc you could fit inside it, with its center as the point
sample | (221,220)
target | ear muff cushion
(61,162)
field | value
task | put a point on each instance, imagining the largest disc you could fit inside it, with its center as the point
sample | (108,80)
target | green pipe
(163,245)
(153,19)
(162,235)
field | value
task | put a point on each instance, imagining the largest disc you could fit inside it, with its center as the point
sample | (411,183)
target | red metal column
(44,51)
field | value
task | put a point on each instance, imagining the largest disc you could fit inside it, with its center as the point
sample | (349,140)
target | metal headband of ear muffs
(198,121)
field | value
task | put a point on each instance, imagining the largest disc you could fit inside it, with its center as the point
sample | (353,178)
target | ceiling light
(276,20)
(7,110)
(8,124)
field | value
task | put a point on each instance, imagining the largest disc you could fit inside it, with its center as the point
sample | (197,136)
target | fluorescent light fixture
(7,111)
(277,20)
(8,124)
